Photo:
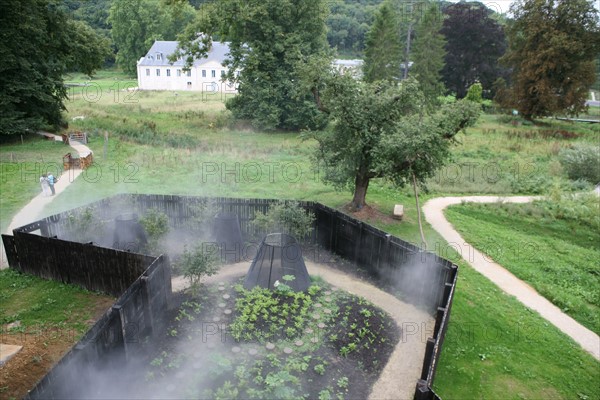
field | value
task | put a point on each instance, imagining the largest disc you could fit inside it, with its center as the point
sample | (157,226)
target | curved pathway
(434,214)
(33,210)
(403,369)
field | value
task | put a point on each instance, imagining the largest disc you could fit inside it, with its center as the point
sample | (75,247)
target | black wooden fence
(382,255)
(115,338)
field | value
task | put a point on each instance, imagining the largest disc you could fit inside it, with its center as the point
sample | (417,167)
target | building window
(158,56)
(213,73)
(147,71)
(157,72)
(189,73)
(204,73)
(178,72)
(189,85)
(222,73)
(168,72)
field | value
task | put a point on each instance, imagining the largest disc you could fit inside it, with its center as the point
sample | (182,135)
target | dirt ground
(42,348)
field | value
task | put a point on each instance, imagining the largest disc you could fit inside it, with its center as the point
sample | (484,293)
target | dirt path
(434,214)
(33,210)
(399,377)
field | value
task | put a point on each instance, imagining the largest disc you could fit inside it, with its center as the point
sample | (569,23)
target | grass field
(184,144)
(42,304)
(558,257)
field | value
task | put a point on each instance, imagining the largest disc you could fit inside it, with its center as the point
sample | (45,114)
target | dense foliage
(428,55)
(267,50)
(136,24)
(553,46)
(384,130)
(40,43)
(383,52)
(475,41)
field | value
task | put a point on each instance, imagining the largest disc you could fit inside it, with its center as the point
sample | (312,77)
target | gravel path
(33,210)
(434,214)
(400,375)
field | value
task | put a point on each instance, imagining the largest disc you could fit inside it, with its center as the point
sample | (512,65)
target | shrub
(582,161)
(198,263)
(156,225)
(475,93)
(286,217)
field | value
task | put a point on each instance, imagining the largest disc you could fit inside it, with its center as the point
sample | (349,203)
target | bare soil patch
(43,347)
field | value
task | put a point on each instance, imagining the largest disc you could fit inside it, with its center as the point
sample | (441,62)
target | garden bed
(227,342)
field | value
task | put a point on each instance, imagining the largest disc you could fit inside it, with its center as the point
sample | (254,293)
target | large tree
(475,42)
(384,130)
(428,54)
(39,43)
(383,50)
(269,41)
(136,24)
(553,45)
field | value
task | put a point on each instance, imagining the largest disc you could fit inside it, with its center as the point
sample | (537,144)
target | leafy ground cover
(557,256)
(324,343)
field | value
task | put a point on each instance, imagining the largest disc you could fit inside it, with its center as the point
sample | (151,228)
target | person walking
(51,181)
(45,185)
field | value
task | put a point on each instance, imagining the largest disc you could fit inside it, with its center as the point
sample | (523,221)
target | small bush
(286,217)
(198,263)
(582,161)
(475,93)
(156,225)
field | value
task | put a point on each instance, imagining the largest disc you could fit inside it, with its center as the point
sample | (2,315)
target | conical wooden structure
(278,255)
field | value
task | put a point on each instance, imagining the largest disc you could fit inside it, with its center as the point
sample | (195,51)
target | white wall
(156,78)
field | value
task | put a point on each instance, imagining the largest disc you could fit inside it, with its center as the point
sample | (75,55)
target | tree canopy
(136,24)
(269,41)
(474,43)
(553,46)
(384,130)
(40,43)
(429,53)
(383,52)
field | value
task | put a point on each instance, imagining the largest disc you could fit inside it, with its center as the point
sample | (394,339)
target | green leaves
(552,48)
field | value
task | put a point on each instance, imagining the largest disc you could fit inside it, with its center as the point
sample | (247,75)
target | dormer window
(158,56)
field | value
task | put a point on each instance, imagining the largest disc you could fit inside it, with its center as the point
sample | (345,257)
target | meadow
(186,143)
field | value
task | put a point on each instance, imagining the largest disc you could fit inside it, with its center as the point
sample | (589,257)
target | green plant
(319,369)
(198,263)
(581,161)
(286,217)
(475,93)
(342,382)
(156,225)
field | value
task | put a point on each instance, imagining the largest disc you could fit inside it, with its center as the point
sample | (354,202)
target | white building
(155,72)
(354,67)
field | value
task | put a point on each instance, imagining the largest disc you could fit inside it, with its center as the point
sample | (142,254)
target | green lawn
(41,304)
(511,353)
(558,257)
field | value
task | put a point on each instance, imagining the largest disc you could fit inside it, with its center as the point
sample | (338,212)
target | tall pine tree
(383,50)
(553,45)
(428,54)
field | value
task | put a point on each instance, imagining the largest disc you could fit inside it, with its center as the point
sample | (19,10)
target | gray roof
(218,52)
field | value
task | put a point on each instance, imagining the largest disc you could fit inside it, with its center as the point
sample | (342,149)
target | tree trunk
(415,188)
(407,52)
(361,184)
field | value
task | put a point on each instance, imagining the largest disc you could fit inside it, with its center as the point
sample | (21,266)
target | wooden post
(148,317)
(427,360)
